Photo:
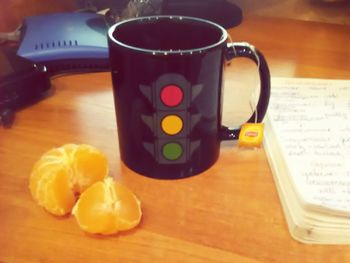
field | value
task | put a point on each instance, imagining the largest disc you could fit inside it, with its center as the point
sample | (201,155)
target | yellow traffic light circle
(172,124)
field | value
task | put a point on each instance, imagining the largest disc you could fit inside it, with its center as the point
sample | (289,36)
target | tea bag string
(257,81)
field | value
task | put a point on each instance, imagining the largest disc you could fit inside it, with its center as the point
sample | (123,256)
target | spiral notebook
(307,141)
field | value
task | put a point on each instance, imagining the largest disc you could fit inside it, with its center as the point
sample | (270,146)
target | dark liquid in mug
(168,34)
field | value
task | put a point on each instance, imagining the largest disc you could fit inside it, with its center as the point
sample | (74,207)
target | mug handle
(243,49)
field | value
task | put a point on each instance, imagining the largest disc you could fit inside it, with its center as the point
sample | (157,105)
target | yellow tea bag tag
(251,135)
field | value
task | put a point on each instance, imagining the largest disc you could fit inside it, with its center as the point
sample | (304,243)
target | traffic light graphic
(171,123)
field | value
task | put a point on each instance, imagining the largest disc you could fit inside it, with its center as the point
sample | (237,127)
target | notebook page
(311,120)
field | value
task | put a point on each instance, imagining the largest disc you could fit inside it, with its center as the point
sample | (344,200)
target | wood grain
(230,213)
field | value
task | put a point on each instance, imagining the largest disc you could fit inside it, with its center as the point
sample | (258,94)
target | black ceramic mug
(167,74)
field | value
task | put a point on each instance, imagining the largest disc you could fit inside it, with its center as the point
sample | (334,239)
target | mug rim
(222,39)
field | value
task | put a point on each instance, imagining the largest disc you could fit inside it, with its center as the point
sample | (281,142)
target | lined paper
(311,122)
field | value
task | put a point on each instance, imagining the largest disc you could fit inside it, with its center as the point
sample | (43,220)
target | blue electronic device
(66,42)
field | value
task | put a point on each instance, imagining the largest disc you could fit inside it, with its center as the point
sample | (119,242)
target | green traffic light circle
(172,151)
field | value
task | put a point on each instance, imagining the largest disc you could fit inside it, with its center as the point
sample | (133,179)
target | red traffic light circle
(171,95)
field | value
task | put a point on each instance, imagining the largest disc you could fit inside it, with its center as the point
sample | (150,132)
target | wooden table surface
(230,213)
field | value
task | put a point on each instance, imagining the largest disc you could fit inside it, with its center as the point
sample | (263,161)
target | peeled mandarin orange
(63,173)
(106,208)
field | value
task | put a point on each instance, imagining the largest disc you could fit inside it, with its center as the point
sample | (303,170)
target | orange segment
(59,198)
(106,208)
(92,209)
(127,207)
(89,166)
(63,172)
(50,188)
